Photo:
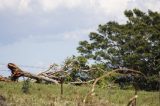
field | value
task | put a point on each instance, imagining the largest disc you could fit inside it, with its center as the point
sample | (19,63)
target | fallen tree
(16,72)
(4,79)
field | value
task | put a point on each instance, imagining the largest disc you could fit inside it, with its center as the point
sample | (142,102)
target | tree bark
(16,72)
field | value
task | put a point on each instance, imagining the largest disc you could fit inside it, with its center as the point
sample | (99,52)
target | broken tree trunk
(4,79)
(17,72)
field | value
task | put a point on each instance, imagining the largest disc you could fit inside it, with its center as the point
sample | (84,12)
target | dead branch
(132,101)
(16,72)
(122,71)
(47,71)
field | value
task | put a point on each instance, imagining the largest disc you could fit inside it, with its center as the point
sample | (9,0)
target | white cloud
(8,4)
(45,5)
(51,5)
(20,6)
(24,6)
(73,3)
(111,6)
(77,35)
(99,6)
(144,5)
(108,7)
(153,5)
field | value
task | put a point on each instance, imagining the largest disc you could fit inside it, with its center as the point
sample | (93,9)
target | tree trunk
(17,72)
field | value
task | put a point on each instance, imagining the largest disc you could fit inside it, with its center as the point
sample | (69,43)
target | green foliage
(73,65)
(134,44)
(26,86)
(97,70)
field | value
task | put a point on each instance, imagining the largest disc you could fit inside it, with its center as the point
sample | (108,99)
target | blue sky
(42,32)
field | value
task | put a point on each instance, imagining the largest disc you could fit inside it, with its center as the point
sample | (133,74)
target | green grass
(49,95)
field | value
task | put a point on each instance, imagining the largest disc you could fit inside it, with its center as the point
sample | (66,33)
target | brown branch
(122,71)
(17,72)
(132,101)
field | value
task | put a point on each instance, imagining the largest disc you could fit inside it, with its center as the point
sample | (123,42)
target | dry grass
(49,95)
(107,74)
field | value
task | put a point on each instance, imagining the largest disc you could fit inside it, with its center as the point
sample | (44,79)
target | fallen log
(16,72)
(4,79)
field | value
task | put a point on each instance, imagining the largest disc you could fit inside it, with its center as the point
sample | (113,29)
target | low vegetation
(49,95)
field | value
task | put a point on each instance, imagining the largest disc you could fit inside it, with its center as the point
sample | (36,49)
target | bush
(26,85)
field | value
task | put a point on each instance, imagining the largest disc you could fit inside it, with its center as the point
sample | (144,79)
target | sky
(42,32)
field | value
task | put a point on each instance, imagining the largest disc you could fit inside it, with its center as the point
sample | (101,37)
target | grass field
(49,95)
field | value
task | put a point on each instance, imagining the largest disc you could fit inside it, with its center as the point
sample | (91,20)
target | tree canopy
(134,44)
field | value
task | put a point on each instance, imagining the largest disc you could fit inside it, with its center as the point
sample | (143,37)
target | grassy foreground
(49,95)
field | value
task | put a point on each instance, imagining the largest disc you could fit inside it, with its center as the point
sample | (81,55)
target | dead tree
(4,79)
(16,72)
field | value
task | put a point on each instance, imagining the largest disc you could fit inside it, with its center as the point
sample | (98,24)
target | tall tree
(135,44)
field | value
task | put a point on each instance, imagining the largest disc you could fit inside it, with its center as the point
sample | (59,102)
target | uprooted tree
(16,72)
